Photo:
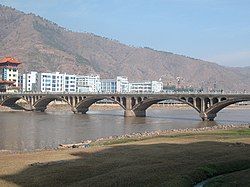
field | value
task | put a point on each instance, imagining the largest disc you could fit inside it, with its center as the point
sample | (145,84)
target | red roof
(10,60)
(6,82)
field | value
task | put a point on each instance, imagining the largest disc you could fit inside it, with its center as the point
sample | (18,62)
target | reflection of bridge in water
(207,105)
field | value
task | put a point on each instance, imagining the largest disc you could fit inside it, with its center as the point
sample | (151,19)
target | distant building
(146,87)
(9,74)
(122,84)
(119,85)
(27,82)
(55,82)
(88,83)
(69,84)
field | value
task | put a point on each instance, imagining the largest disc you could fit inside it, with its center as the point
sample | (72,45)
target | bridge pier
(140,113)
(207,117)
(132,113)
(41,109)
(81,110)
(129,113)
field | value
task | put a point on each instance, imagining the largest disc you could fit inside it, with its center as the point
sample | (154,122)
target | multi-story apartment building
(88,83)
(146,87)
(157,86)
(9,74)
(55,82)
(50,82)
(47,82)
(120,85)
(69,83)
(27,81)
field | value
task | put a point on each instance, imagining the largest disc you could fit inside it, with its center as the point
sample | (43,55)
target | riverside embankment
(147,135)
(170,158)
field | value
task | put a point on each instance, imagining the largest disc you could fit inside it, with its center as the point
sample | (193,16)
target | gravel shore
(147,134)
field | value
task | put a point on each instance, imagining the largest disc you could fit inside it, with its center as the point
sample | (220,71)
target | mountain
(42,45)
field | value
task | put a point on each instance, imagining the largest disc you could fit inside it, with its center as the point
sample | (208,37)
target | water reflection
(31,130)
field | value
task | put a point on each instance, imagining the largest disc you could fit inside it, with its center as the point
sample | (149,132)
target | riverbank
(150,134)
(169,158)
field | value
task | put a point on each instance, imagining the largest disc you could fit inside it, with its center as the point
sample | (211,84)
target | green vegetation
(211,170)
(221,134)
(173,160)
(238,178)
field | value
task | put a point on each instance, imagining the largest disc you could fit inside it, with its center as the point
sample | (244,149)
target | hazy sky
(214,30)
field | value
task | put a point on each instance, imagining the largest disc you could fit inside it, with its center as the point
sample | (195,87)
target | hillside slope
(44,46)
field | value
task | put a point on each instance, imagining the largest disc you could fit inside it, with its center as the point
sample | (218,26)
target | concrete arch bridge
(207,105)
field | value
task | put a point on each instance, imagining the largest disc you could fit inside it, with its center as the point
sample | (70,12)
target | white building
(146,87)
(120,85)
(88,83)
(69,84)
(56,82)
(27,81)
(157,86)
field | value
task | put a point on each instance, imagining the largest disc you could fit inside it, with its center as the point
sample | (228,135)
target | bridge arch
(223,99)
(145,104)
(11,102)
(213,110)
(139,99)
(124,101)
(83,105)
(215,100)
(133,101)
(118,99)
(183,98)
(42,103)
(191,100)
(198,103)
(207,103)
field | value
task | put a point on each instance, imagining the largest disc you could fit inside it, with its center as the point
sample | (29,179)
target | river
(25,131)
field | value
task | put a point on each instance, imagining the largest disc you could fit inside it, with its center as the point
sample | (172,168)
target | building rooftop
(6,82)
(10,60)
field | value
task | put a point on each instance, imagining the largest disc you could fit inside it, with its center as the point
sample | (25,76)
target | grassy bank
(237,178)
(170,160)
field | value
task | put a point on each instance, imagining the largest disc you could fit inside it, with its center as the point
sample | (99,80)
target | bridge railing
(124,93)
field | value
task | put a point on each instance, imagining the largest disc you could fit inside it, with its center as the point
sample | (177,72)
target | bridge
(133,104)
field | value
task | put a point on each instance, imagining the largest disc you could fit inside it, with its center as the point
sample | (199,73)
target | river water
(24,131)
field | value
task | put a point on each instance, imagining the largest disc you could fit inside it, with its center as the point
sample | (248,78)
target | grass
(238,178)
(221,134)
(177,160)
